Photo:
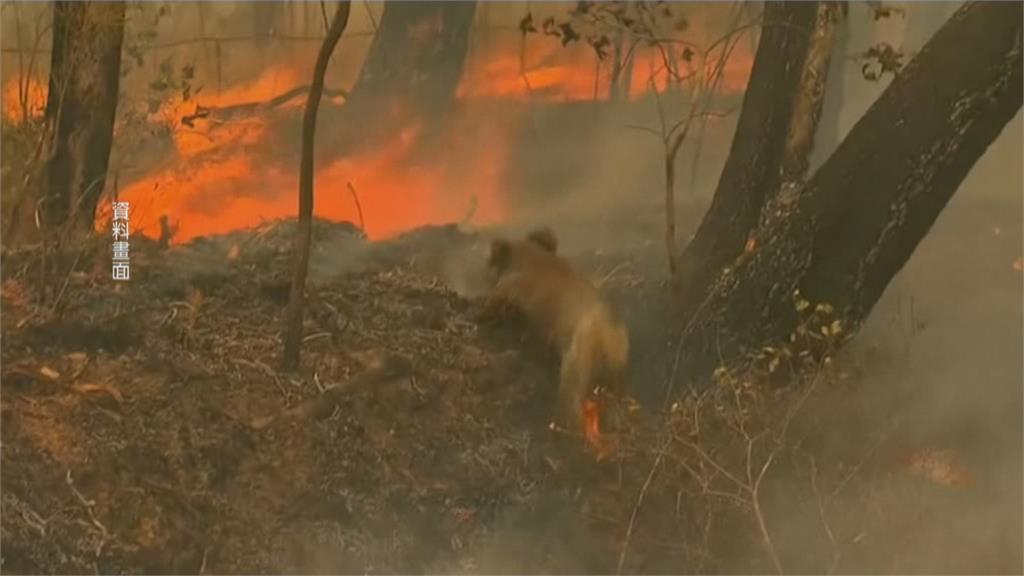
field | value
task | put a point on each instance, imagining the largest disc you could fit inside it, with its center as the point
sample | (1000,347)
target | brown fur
(568,312)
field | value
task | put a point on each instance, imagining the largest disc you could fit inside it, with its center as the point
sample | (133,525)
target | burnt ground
(147,430)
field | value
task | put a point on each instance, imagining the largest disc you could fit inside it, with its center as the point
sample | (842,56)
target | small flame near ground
(598,444)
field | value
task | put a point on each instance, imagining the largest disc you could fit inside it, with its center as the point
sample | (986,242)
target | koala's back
(549,291)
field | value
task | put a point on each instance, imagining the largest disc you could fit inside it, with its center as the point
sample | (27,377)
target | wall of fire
(559,143)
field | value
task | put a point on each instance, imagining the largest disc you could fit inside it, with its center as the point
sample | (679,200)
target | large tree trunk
(80,109)
(304,236)
(810,95)
(412,70)
(841,238)
(829,134)
(751,173)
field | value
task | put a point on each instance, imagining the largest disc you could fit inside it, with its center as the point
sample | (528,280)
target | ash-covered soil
(146,427)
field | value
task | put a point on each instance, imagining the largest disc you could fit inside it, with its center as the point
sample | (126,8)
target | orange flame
(203,135)
(207,193)
(218,183)
(548,71)
(592,430)
(231,191)
(13,110)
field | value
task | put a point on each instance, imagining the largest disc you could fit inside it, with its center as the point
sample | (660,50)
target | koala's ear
(501,251)
(545,238)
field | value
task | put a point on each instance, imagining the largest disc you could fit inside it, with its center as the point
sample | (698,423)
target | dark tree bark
(752,170)
(842,237)
(80,110)
(304,236)
(412,70)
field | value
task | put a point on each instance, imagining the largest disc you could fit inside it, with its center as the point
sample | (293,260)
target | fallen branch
(266,370)
(389,369)
(227,112)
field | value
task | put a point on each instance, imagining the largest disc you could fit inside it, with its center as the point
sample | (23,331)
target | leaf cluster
(141,36)
(879,60)
(597,23)
(172,78)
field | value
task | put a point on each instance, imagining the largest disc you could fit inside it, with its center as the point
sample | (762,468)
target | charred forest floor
(146,429)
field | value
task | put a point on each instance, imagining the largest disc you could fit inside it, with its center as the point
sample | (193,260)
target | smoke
(938,365)
(939,361)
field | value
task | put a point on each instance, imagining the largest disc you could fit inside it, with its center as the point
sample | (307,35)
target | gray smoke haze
(942,354)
